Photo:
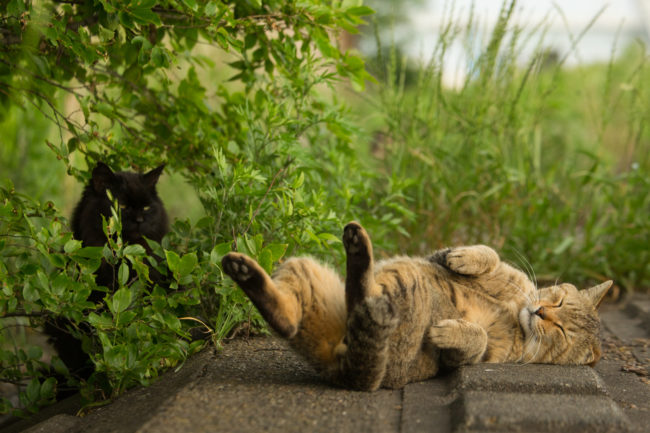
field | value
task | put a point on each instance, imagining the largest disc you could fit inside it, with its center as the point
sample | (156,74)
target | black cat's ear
(597,293)
(103,177)
(151,177)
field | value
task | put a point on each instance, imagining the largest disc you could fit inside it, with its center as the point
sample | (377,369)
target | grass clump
(547,163)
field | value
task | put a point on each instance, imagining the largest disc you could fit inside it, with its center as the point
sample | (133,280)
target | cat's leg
(470,260)
(364,354)
(303,301)
(462,342)
(371,317)
(279,309)
(360,279)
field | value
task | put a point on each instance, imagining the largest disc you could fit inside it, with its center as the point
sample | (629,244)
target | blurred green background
(543,156)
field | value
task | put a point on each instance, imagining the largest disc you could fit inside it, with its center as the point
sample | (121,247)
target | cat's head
(143,213)
(562,326)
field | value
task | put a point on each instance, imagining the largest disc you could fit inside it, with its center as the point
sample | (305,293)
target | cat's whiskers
(529,298)
(536,343)
(528,267)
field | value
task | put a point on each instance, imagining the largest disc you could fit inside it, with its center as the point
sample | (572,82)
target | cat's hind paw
(237,266)
(244,271)
(356,241)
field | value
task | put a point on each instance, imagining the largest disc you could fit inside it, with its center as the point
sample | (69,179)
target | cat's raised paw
(356,240)
(473,260)
(238,267)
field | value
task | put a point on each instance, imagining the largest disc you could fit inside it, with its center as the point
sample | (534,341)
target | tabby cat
(143,215)
(402,319)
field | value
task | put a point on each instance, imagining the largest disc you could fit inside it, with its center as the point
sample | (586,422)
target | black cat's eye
(122,206)
(146,208)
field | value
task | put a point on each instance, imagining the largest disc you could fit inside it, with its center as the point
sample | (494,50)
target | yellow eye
(122,206)
(146,208)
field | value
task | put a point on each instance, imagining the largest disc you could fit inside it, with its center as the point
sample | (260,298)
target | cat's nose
(139,218)
(540,312)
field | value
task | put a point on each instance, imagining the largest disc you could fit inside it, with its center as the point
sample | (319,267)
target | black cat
(143,215)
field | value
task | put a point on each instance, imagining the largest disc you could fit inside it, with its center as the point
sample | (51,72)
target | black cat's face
(143,213)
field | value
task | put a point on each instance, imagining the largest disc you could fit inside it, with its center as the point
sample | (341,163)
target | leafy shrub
(241,99)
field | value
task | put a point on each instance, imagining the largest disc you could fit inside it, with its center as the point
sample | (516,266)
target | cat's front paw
(446,334)
(474,260)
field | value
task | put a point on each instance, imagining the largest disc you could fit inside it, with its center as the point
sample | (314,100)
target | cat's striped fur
(400,320)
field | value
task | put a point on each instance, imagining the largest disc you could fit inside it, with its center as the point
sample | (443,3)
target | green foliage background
(269,152)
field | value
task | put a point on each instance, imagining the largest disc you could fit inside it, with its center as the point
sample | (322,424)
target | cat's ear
(597,293)
(103,177)
(151,177)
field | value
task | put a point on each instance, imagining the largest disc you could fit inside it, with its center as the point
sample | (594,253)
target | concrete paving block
(531,378)
(61,423)
(425,406)
(517,412)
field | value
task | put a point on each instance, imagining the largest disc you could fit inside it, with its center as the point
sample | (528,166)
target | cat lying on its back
(400,320)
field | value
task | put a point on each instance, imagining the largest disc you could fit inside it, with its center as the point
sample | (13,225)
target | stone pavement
(258,384)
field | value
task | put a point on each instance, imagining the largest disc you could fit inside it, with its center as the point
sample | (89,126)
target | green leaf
(103,322)
(106,35)
(126,317)
(30,293)
(103,108)
(71,246)
(190,4)
(329,237)
(323,43)
(47,389)
(277,251)
(210,9)
(59,366)
(144,15)
(134,250)
(159,57)
(34,352)
(121,299)
(123,274)
(360,11)
(173,260)
(33,391)
(187,264)
(218,251)
(265,259)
